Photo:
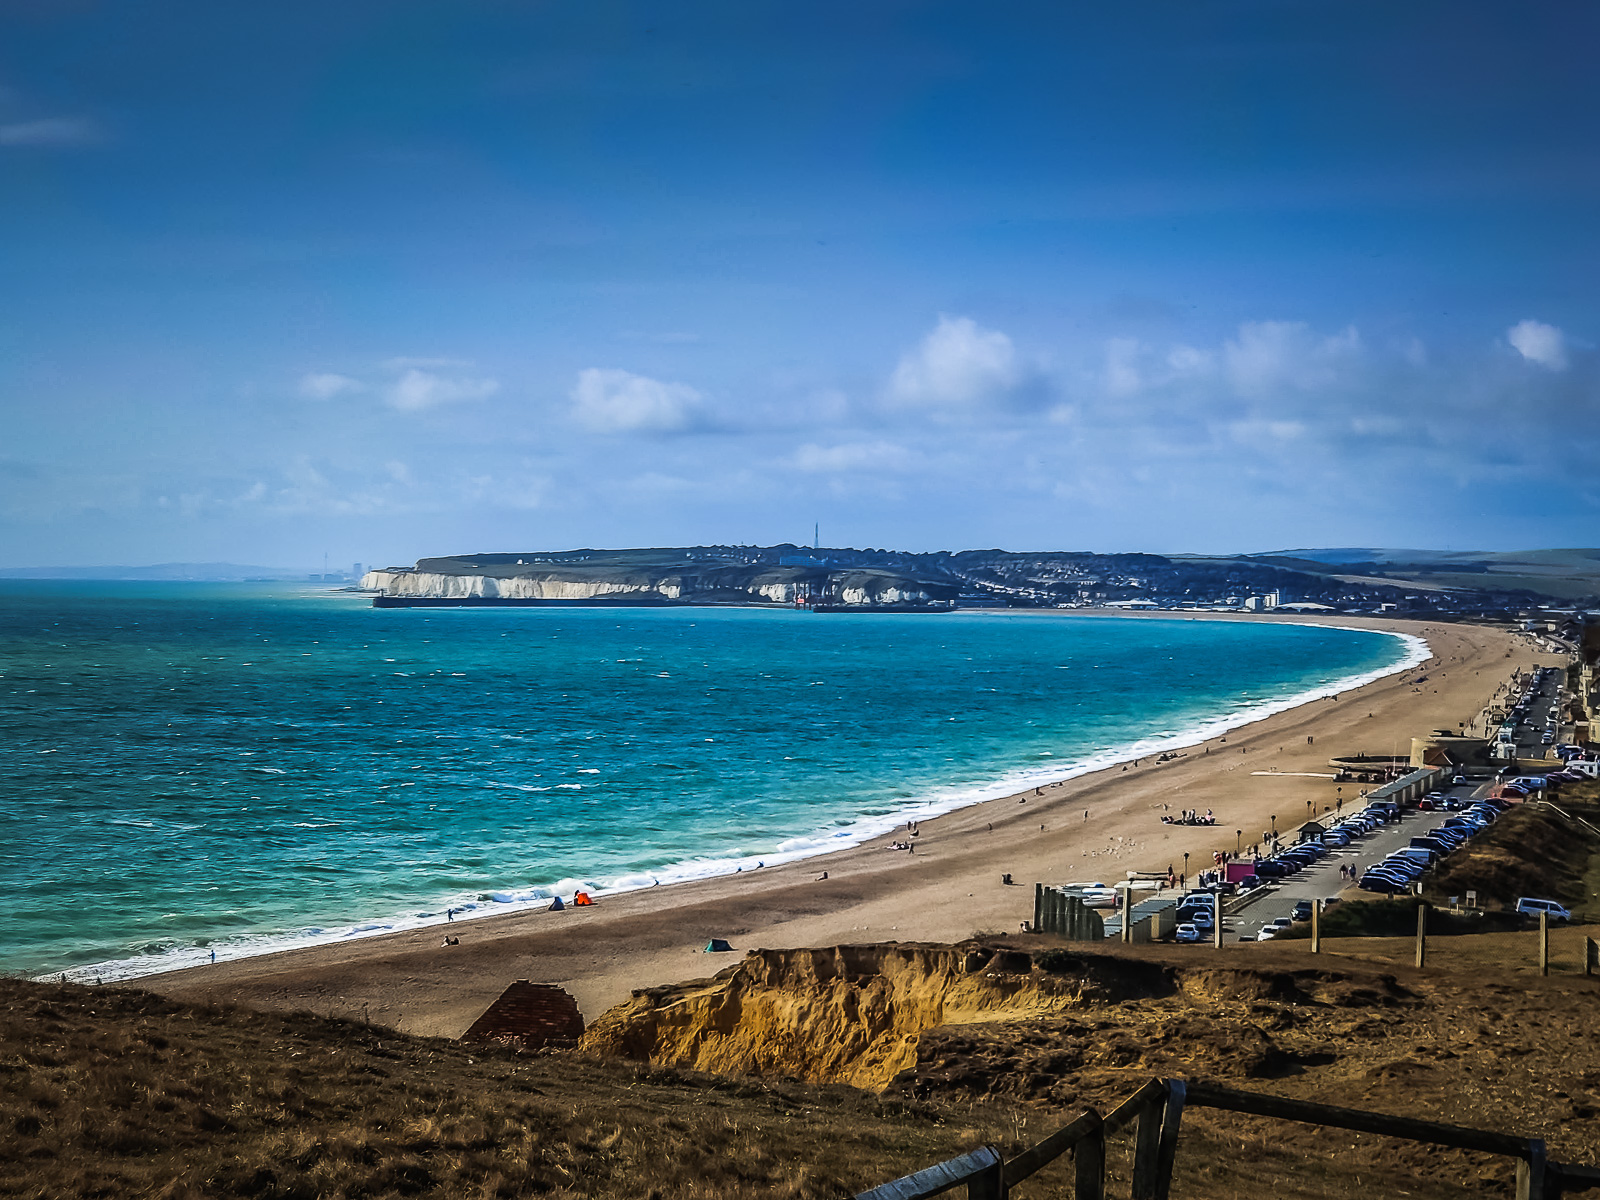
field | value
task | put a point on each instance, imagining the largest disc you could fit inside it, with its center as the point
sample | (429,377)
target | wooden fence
(1156,1110)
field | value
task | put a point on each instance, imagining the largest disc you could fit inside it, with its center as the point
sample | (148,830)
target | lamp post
(1186,866)
(1238,842)
(1274,826)
(1308,810)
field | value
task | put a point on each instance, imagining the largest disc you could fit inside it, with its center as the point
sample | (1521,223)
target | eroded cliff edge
(845,1014)
(987,1019)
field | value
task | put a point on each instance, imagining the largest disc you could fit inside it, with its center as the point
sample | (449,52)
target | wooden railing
(1156,1110)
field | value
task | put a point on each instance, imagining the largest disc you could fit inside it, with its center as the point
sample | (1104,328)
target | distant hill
(1347,580)
(197,572)
(1565,574)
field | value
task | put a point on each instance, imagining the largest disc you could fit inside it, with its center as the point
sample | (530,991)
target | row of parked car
(1296,858)
(1406,865)
(1194,912)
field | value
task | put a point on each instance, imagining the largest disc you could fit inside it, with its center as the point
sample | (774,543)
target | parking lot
(1321,881)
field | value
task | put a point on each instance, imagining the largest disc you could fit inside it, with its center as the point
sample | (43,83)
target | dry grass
(119,1093)
(1530,851)
(111,1093)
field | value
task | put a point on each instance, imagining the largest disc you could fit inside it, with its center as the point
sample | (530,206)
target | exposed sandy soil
(1094,827)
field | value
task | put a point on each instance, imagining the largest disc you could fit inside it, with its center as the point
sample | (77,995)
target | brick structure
(530,1015)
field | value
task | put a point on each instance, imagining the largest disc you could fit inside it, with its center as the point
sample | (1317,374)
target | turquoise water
(243,767)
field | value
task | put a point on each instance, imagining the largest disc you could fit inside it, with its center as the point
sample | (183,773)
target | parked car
(1374,881)
(1427,857)
(1266,933)
(1532,907)
(1187,933)
(1302,910)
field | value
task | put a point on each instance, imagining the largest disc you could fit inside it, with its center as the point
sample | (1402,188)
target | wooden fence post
(988,1184)
(1147,1149)
(1127,912)
(1316,927)
(1216,920)
(1422,935)
(1532,1178)
(1168,1153)
(1544,943)
(1591,955)
(1089,1165)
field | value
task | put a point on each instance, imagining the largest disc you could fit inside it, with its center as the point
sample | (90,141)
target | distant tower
(816,536)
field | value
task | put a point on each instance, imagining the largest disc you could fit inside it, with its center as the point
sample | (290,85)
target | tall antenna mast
(816,536)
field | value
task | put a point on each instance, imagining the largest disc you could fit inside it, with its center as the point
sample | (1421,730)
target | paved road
(1543,715)
(1321,879)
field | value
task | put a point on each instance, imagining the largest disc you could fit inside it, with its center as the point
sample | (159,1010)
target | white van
(1533,907)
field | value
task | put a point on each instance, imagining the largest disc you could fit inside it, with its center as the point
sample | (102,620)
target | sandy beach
(1096,827)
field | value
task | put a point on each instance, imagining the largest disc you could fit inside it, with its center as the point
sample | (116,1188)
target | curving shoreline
(1193,730)
(947,889)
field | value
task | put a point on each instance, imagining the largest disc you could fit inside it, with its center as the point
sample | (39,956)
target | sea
(200,769)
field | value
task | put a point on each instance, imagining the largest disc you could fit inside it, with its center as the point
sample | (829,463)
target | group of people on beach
(1190,816)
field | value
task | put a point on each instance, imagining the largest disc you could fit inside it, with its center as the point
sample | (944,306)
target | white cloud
(612,401)
(1266,434)
(50,131)
(1540,343)
(1187,360)
(1271,355)
(327,385)
(1132,367)
(1122,366)
(957,364)
(417,390)
(853,456)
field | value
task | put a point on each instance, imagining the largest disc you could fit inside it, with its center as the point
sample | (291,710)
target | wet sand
(1093,828)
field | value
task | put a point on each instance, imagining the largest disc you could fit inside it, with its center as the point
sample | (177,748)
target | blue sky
(387,279)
